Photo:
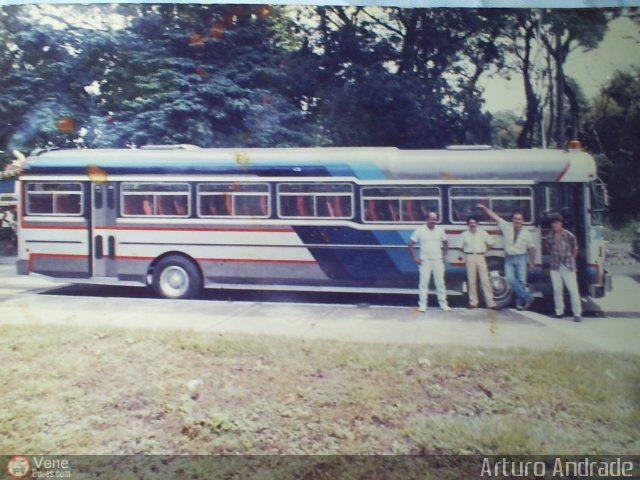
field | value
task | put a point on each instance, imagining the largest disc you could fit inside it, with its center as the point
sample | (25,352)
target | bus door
(568,199)
(103,221)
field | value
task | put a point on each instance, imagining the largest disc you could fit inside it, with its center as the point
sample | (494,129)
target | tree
(202,74)
(564,31)
(37,99)
(611,131)
(402,77)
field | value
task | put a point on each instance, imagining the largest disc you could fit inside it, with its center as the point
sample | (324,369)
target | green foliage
(226,75)
(258,76)
(611,129)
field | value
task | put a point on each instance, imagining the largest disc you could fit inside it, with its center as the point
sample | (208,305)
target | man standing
(563,247)
(518,244)
(475,243)
(433,252)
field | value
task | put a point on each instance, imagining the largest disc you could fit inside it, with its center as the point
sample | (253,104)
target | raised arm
(489,212)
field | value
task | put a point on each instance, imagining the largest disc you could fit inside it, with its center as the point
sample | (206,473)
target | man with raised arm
(518,248)
(433,253)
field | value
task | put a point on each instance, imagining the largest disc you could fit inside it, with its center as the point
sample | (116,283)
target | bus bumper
(22,267)
(599,291)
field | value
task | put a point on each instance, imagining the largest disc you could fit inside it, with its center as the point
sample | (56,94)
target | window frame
(79,192)
(491,198)
(314,196)
(154,195)
(400,199)
(233,196)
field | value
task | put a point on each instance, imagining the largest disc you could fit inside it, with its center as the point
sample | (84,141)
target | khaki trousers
(477,267)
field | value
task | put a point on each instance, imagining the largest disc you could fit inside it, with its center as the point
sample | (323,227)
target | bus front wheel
(176,277)
(502,292)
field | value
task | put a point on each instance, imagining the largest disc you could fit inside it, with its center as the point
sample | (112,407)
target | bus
(181,218)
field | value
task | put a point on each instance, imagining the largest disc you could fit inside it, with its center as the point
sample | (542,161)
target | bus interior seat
(147,207)
(180,206)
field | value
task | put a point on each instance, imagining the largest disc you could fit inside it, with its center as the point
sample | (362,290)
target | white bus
(182,218)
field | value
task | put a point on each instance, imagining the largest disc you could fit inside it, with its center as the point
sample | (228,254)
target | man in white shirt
(475,243)
(518,245)
(433,252)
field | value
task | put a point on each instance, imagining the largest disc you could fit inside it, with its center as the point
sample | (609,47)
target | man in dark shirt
(563,247)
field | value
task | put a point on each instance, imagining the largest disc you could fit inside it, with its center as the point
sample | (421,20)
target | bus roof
(365,163)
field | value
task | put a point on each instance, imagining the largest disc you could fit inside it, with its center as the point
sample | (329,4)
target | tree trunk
(560,91)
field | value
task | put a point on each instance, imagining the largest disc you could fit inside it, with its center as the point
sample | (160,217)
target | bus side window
(147,205)
(329,210)
(132,205)
(180,205)
(71,204)
(408,213)
(484,217)
(342,205)
(370,213)
(40,204)
(394,212)
(59,204)
(303,206)
(206,206)
(264,205)
(385,210)
(227,205)
(163,205)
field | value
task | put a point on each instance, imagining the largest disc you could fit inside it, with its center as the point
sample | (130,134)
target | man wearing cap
(433,252)
(563,247)
(475,243)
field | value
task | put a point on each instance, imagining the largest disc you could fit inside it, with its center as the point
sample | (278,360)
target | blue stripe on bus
(358,263)
(401,258)
(362,171)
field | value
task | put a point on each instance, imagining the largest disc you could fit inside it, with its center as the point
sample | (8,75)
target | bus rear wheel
(176,277)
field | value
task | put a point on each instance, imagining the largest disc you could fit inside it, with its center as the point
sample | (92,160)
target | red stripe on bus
(237,260)
(56,227)
(198,229)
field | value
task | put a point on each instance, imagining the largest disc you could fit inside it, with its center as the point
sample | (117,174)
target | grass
(89,391)
(624,234)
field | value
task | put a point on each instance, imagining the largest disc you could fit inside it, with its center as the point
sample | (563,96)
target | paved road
(613,326)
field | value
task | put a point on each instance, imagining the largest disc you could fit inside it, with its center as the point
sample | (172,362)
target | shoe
(494,307)
(558,315)
(422,309)
(577,318)
(446,308)
(471,307)
(519,308)
(528,303)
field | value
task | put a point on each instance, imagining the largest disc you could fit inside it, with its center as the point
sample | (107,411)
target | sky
(619,50)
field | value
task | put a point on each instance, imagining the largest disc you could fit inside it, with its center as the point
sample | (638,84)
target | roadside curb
(8,260)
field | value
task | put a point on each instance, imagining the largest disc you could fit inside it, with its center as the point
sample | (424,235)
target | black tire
(502,291)
(176,277)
